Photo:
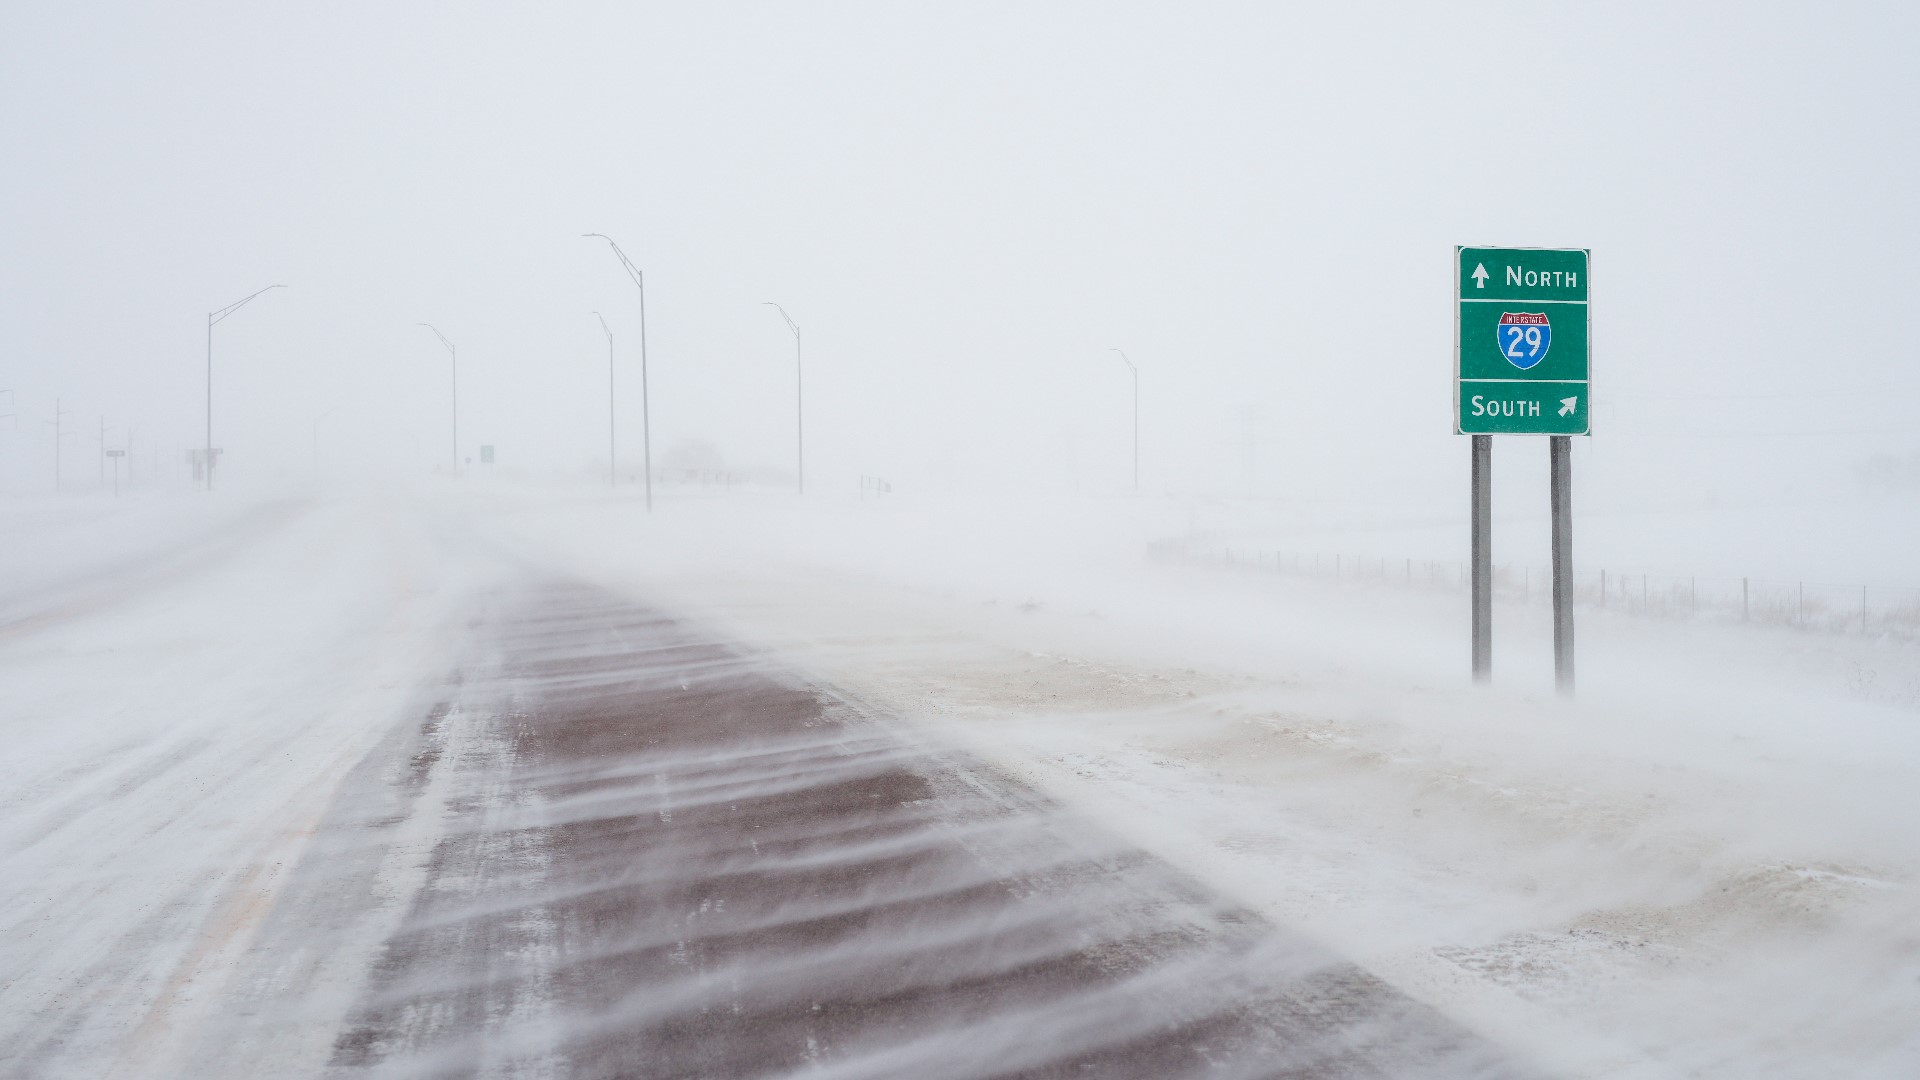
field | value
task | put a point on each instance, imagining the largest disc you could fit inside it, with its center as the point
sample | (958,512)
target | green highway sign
(1521,341)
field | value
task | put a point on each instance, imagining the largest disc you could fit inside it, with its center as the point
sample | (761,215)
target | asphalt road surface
(617,847)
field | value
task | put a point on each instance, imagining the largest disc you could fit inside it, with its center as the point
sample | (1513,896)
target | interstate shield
(1524,337)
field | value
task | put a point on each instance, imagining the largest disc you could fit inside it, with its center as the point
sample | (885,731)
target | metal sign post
(1482,558)
(1560,497)
(1521,361)
(116,455)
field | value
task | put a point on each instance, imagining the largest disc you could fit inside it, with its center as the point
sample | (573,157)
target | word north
(1520,275)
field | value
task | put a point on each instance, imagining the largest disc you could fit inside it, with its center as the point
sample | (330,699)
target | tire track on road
(659,855)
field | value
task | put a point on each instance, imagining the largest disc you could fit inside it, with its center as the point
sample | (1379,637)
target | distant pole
(1482,553)
(613,459)
(212,318)
(453,357)
(58,436)
(1136,416)
(1560,495)
(646,425)
(799,401)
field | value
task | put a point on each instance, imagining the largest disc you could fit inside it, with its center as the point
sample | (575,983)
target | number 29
(1522,336)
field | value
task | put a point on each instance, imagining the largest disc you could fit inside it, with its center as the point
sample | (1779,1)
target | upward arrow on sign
(1479,276)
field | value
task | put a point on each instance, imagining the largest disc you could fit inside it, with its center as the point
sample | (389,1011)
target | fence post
(1801,618)
(1409,571)
(1746,612)
(1863,609)
(1603,588)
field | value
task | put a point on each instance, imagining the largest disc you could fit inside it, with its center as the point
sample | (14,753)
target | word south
(1483,407)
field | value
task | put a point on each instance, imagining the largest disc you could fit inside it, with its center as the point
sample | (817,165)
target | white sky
(963,207)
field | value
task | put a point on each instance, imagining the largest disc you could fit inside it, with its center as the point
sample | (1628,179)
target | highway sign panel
(486,455)
(1522,332)
(116,453)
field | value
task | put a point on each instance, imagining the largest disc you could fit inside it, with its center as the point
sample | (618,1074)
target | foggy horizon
(964,214)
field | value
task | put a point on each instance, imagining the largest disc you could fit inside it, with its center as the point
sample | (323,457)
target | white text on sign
(1483,407)
(1566,279)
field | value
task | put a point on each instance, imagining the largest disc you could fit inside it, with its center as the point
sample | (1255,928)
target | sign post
(1560,495)
(1482,558)
(1522,350)
(116,455)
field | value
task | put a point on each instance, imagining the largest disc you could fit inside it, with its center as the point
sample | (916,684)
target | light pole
(646,427)
(799,399)
(613,460)
(1136,417)
(212,318)
(454,356)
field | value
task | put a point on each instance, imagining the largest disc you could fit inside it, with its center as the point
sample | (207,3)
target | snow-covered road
(175,725)
(249,746)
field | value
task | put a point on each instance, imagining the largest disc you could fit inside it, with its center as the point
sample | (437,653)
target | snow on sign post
(1520,341)
(1522,336)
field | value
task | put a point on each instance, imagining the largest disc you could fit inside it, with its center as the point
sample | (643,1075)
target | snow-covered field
(1703,866)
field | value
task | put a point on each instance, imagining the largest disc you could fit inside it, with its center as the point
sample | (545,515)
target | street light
(799,402)
(646,427)
(214,317)
(1136,417)
(613,461)
(454,356)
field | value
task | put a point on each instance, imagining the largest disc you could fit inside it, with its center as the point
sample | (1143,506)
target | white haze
(1701,866)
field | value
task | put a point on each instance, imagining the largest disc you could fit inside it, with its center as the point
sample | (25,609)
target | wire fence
(1806,605)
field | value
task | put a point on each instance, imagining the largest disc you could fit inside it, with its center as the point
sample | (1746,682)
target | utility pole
(102,440)
(613,457)
(212,318)
(58,412)
(1136,417)
(646,427)
(454,357)
(799,402)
